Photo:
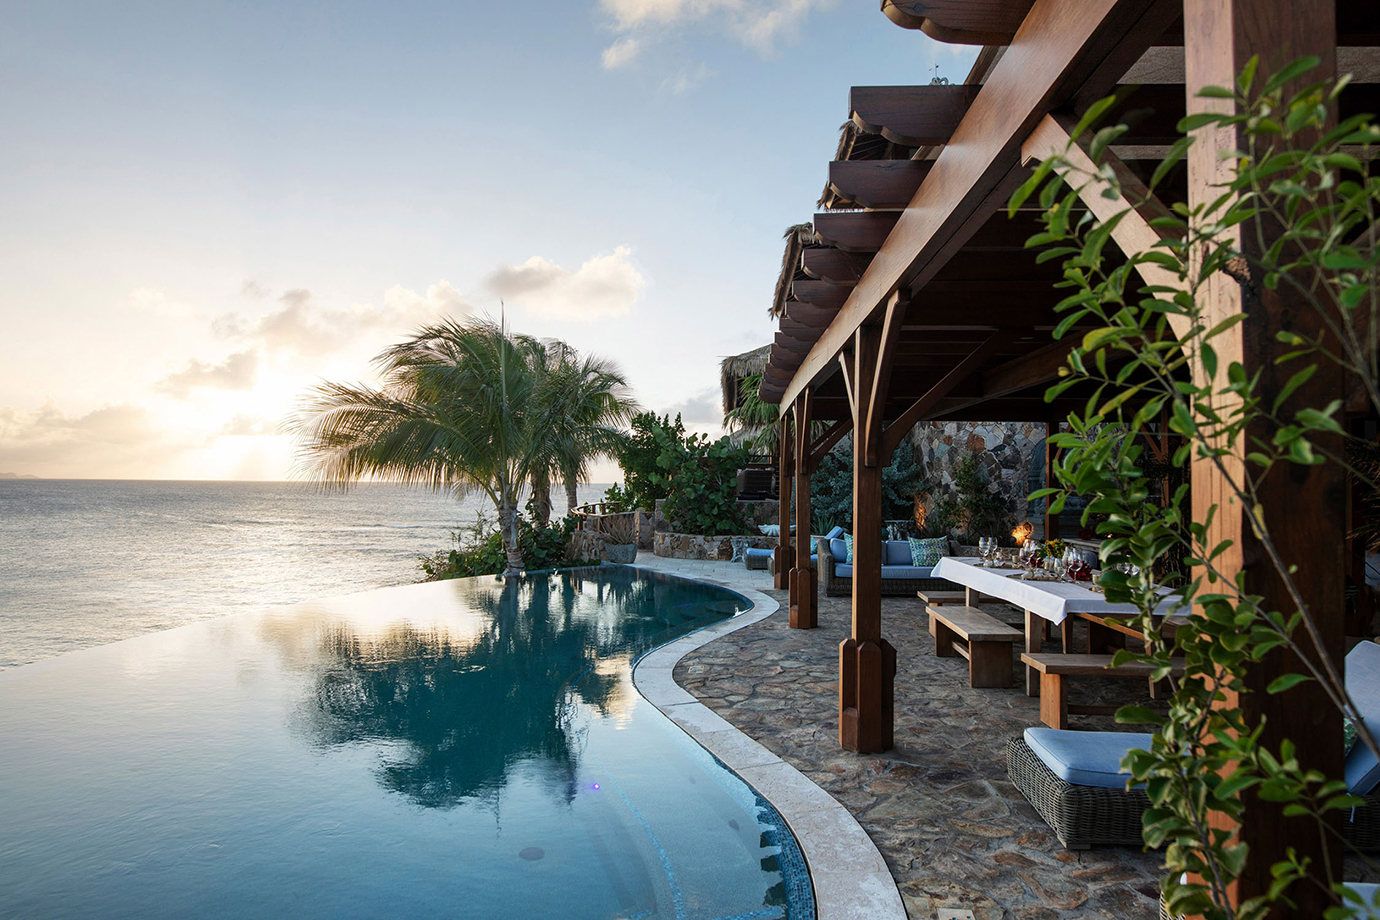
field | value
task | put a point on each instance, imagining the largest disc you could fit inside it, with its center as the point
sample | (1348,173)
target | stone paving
(953,829)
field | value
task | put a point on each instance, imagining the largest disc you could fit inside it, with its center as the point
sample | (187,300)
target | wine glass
(986,545)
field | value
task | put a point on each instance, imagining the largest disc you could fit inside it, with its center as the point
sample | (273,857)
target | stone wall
(695,546)
(755,513)
(1011,456)
(585,545)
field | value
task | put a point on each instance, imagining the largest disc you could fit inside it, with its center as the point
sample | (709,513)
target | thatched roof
(797,238)
(735,368)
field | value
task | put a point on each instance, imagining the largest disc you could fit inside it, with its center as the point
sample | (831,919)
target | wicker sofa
(899,577)
(1072,778)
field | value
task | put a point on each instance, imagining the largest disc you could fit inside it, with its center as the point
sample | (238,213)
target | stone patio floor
(953,829)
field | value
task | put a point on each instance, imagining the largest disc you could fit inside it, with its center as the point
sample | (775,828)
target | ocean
(88,562)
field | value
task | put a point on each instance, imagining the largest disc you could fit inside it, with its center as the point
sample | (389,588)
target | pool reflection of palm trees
(463,713)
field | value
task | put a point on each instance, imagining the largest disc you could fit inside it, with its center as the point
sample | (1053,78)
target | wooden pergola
(915,298)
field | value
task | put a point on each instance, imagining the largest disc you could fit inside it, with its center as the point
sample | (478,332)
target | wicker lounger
(832,585)
(1084,816)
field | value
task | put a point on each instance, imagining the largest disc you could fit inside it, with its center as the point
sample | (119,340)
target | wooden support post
(803,592)
(1051,520)
(1303,507)
(867,662)
(783,560)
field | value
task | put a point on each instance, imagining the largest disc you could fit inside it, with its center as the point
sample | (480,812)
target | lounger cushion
(889,571)
(1363,683)
(834,534)
(1086,758)
(896,552)
(756,551)
(1367,892)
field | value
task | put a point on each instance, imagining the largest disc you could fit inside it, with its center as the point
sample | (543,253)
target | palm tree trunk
(508,526)
(541,498)
(572,497)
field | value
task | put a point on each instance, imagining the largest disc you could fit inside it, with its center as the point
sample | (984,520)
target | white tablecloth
(1053,600)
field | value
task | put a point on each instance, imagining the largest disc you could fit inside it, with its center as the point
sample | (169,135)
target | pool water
(468,748)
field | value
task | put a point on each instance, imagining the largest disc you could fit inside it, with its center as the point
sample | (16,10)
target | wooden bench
(1053,668)
(940,598)
(984,640)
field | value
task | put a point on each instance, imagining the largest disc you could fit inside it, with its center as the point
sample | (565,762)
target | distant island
(17,476)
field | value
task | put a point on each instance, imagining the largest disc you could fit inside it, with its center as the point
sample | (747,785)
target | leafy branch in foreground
(1302,198)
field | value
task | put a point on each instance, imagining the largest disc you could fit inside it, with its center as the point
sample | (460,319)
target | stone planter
(623,553)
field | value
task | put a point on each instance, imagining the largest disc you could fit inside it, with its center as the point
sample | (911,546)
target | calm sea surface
(87,562)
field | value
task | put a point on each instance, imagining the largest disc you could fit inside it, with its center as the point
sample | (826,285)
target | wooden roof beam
(1062,47)
(916,116)
(878,183)
(1133,233)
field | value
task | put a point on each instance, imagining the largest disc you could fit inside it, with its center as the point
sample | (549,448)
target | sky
(208,208)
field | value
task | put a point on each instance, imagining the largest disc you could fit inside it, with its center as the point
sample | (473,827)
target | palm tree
(592,405)
(465,406)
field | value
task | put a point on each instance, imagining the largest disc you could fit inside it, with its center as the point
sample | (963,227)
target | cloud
(605,286)
(687,78)
(757,24)
(236,372)
(109,435)
(700,409)
(306,327)
(249,425)
(155,302)
(621,52)
(252,290)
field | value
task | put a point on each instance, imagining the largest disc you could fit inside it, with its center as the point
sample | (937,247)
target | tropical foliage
(753,422)
(1303,195)
(831,486)
(470,407)
(638,454)
(700,479)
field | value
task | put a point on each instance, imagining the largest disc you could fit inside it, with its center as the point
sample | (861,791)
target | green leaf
(1285,681)
(1215,92)
(1290,71)
(1292,384)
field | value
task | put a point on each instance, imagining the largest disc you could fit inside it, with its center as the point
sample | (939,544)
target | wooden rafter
(916,116)
(825,442)
(877,183)
(834,265)
(821,293)
(961,372)
(881,381)
(856,231)
(1062,46)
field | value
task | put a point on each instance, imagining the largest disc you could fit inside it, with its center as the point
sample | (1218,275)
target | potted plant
(620,533)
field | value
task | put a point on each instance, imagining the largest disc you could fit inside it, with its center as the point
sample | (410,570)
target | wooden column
(1304,506)
(784,559)
(803,591)
(867,662)
(1051,520)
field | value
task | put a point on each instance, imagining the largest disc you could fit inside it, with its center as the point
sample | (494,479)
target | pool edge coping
(850,878)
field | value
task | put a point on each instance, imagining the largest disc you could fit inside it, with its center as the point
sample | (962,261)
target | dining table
(1047,603)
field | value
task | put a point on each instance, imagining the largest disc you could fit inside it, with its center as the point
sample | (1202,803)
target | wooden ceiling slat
(877,183)
(917,116)
(798,330)
(855,231)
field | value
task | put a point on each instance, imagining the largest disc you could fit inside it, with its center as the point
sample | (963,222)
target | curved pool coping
(851,880)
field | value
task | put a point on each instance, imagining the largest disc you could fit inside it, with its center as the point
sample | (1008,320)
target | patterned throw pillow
(848,542)
(1348,735)
(927,553)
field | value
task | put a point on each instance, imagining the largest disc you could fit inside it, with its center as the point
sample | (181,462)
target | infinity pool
(466,748)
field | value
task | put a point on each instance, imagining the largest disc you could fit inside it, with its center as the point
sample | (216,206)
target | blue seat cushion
(896,552)
(843,570)
(1367,892)
(755,551)
(834,534)
(1086,758)
(838,549)
(1363,683)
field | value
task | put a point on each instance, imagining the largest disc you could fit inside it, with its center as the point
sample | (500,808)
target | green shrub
(831,487)
(478,550)
(638,456)
(700,478)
